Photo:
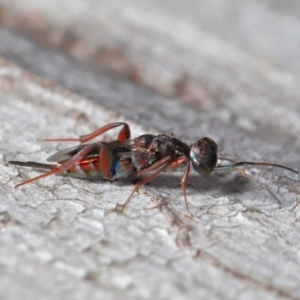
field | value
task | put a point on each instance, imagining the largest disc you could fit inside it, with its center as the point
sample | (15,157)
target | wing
(66,154)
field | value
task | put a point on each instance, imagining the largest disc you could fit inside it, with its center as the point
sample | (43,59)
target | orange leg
(76,158)
(60,168)
(178,163)
(159,166)
(124,134)
(183,186)
(54,171)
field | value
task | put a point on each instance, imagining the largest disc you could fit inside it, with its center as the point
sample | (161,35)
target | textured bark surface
(61,238)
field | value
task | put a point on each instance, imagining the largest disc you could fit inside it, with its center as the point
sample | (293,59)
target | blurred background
(233,62)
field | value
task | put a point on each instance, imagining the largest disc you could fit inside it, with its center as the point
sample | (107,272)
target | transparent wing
(66,154)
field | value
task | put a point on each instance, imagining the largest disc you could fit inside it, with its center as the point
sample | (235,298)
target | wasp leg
(159,166)
(54,171)
(183,186)
(162,165)
(76,158)
(124,134)
(60,168)
(177,163)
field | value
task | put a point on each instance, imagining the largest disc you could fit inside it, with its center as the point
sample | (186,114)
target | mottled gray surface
(239,65)
(61,238)
(233,82)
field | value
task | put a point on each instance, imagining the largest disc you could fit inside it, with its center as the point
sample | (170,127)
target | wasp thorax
(143,141)
(204,156)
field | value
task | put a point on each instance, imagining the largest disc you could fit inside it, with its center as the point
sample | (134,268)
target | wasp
(142,158)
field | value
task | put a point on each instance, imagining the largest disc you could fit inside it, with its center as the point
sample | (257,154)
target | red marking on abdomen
(89,167)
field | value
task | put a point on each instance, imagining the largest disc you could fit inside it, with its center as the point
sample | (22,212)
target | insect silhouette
(142,158)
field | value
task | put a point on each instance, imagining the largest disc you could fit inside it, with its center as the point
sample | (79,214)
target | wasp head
(204,156)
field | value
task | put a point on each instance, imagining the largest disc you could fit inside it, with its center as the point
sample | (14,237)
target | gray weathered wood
(60,237)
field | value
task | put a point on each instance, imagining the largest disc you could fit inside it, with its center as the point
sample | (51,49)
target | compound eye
(202,149)
(204,156)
